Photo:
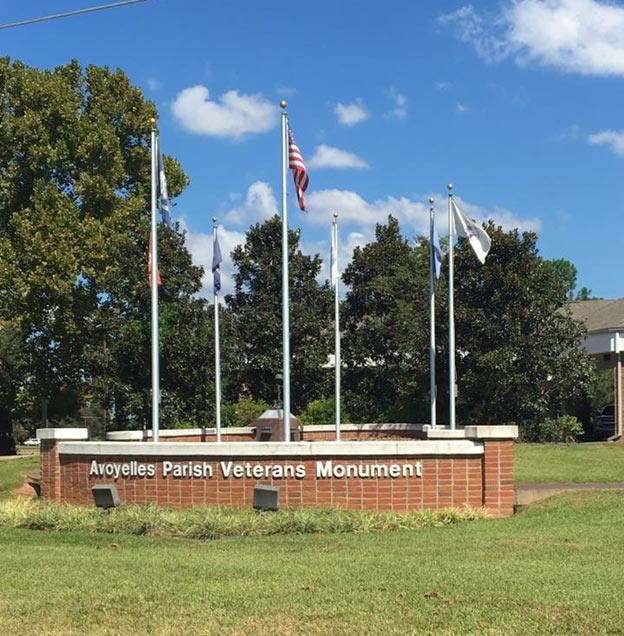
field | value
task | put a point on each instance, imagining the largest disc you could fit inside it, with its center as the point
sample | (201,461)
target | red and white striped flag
(149,265)
(300,174)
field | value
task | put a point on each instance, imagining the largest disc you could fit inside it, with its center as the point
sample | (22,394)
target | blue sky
(518,104)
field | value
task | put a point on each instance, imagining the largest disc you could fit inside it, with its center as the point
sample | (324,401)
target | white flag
(334,256)
(469,229)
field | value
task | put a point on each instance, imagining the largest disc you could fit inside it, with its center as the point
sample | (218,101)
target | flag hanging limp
(300,174)
(216,264)
(469,229)
(334,256)
(437,252)
(163,198)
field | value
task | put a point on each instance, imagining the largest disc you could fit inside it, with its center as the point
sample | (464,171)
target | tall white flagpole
(154,286)
(285,296)
(432,337)
(335,279)
(217,344)
(451,313)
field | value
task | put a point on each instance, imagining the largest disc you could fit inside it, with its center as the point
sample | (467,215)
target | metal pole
(432,335)
(335,279)
(285,297)
(217,344)
(154,290)
(451,315)
(618,430)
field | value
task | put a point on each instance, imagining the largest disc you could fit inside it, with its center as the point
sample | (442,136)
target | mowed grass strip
(553,569)
(569,463)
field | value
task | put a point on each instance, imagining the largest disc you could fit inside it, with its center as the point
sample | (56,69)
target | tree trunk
(7,443)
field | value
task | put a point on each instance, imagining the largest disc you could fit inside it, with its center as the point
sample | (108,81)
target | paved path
(529,493)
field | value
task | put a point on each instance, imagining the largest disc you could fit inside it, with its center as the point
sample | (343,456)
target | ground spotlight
(105,496)
(266,497)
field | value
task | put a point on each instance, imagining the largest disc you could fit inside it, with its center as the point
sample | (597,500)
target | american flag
(300,174)
(149,265)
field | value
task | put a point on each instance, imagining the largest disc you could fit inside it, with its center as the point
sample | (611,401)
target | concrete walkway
(529,493)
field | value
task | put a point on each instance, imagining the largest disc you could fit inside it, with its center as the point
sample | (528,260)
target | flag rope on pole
(154,292)
(285,296)
(335,278)
(451,312)
(432,338)
(216,274)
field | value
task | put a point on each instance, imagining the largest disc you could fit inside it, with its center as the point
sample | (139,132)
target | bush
(242,413)
(565,429)
(322,412)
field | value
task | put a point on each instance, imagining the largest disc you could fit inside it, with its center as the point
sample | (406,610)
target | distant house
(604,320)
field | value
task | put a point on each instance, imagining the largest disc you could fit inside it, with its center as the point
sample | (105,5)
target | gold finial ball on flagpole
(335,215)
(214,219)
(153,121)
(283,104)
(450,186)
(431,200)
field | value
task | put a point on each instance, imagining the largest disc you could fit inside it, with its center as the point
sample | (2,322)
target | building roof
(599,315)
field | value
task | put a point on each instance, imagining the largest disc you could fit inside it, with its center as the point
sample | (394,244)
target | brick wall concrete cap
(491,432)
(125,436)
(136,436)
(63,433)
(445,433)
(260,450)
(326,428)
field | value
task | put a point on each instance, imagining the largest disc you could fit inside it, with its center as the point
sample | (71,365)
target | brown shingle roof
(598,315)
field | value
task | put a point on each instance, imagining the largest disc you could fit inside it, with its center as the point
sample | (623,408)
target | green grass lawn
(552,569)
(13,472)
(574,463)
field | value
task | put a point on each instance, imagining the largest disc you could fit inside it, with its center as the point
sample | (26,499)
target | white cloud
(260,204)
(461,108)
(330,157)
(351,114)
(355,211)
(442,85)
(357,220)
(575,36)
(613,139)
(399,111)
(234,116)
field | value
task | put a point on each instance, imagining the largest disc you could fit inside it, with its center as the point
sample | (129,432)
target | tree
(386,330)
(74,221)
(256,307)
(519,354)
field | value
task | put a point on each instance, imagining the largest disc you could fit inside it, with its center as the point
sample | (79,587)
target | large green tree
(519,354)
(74,222)
(256,307)
(385,327)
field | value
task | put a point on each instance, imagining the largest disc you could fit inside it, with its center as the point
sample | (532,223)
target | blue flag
(162,190)
(216,264)
(437,252)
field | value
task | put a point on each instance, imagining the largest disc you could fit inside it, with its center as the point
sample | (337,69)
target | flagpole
(285,297)
(335,279)
(432,337)
(154,290)
(217,343)
(451,314)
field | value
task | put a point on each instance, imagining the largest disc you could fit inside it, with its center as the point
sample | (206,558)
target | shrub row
(217,522)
